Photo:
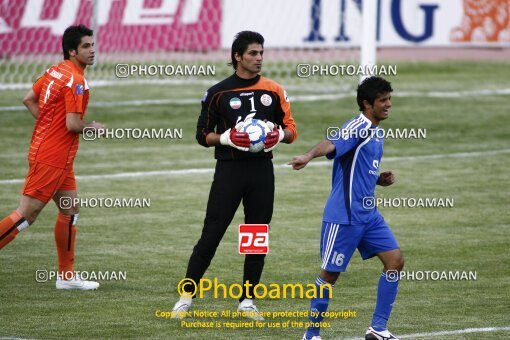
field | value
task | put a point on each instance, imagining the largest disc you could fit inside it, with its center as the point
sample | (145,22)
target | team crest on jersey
(235,103)
(79,89)
(266,99)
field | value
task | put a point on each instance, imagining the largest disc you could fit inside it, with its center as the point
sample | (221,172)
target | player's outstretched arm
(321,149)
(75,124)
(31,101)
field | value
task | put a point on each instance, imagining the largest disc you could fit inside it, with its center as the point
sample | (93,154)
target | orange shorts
(43,181)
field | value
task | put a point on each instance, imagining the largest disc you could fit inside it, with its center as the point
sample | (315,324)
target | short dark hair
(370,89)
(72,38)
(241,42)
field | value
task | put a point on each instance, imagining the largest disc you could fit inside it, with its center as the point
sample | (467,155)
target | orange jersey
(61,90)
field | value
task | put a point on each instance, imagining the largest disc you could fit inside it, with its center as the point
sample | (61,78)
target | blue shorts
(339,241)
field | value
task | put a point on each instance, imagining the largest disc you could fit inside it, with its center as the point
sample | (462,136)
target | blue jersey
(357,155)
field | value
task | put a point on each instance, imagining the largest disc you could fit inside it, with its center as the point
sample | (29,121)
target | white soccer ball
(257,130)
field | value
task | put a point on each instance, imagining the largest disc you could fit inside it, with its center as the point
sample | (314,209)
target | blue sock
(318,305)
(386,295)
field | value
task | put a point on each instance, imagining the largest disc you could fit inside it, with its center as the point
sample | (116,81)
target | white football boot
(76,283)
(372,334)
(181,307)
(251,312)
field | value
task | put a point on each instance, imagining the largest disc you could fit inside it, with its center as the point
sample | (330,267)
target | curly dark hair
(370,89)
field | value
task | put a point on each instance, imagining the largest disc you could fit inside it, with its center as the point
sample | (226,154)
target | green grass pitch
(152,245)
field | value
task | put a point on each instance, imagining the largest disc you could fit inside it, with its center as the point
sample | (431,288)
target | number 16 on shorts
(337,259)
(253,238)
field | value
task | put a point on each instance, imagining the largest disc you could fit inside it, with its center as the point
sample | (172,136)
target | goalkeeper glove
(236,139)
(274,137)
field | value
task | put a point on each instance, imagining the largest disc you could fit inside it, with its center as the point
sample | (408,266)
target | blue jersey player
(351,219)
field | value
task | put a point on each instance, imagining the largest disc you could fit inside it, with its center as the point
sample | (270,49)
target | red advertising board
(36,26)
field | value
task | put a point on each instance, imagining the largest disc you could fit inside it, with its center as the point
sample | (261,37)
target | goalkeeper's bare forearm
(288,136)
(213,139)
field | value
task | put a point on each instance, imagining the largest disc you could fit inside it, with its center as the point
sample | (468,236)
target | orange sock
(10,227)
(65,234)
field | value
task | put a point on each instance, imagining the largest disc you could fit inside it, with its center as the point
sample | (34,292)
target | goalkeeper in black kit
(240,175)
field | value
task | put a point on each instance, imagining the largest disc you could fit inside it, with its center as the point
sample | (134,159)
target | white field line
(444,333)
(304,98)
(277,166)
(407,336)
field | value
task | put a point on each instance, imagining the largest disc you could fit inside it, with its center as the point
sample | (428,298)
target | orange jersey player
(58,101)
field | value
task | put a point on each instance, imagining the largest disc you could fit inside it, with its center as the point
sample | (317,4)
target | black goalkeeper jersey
(234,98)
